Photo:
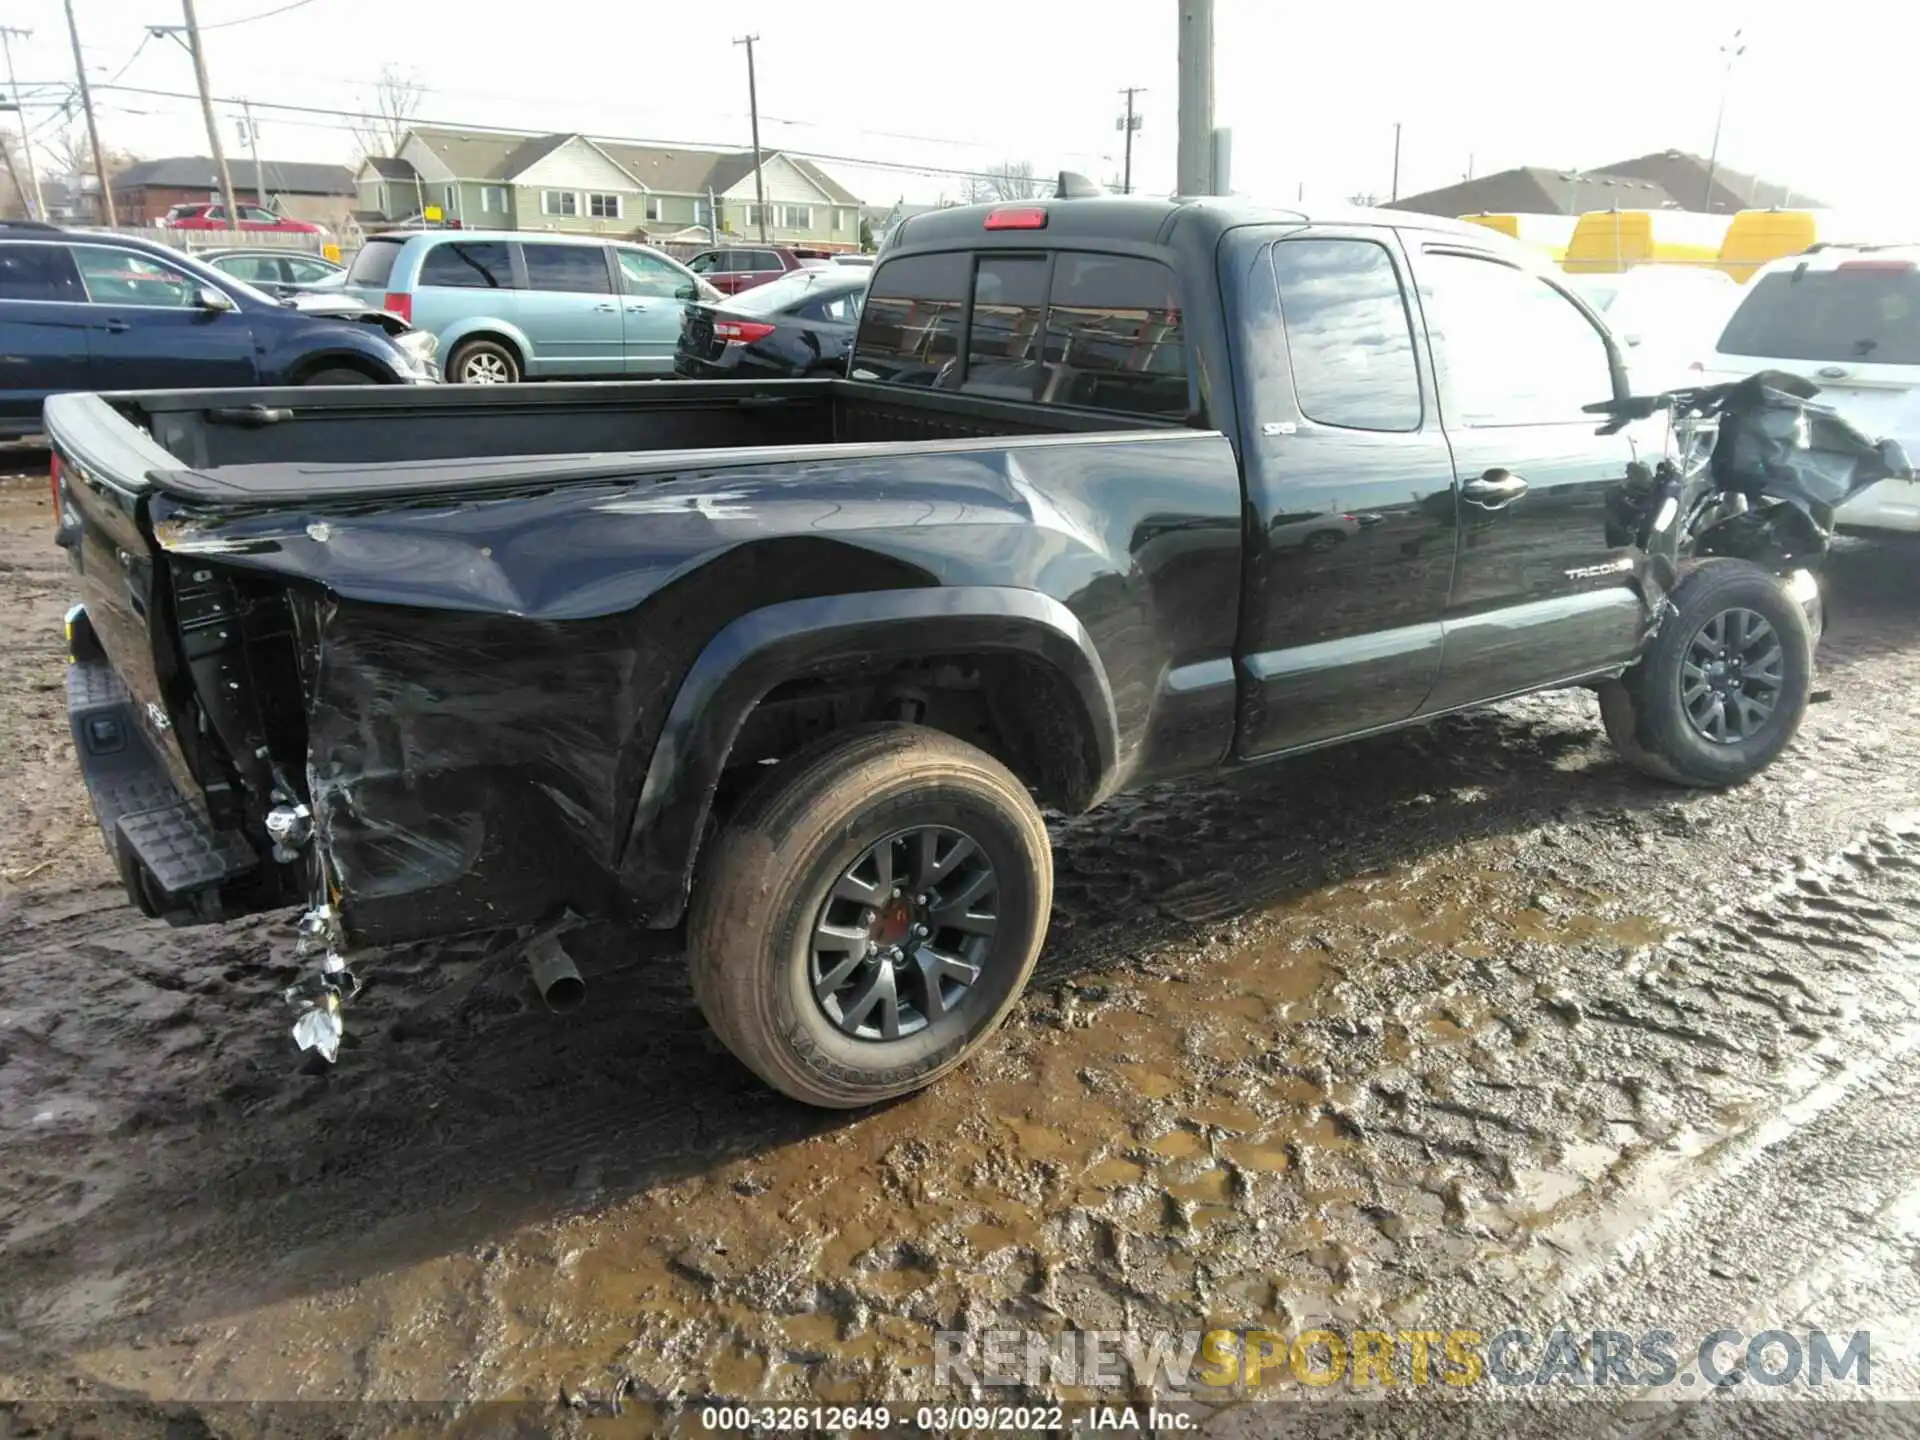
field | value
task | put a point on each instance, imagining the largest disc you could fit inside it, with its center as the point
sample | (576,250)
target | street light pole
(1393,194)
(7,34)
(206,109)
(753,106)
(93,125)
(1130,124)
(1733,52)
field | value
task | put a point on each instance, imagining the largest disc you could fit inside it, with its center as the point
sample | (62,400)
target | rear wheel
(1723,686)
(870,916)
(483,362)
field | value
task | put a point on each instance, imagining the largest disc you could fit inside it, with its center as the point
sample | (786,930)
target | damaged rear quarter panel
(485,680)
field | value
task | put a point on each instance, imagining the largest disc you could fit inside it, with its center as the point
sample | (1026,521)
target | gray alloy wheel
(483,362)
(1731,675)
(904,932)
(869,913)
(483,367)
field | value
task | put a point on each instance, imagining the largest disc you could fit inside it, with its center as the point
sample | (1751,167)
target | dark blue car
(86,311)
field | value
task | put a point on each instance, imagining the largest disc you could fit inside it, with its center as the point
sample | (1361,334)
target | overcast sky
(1311,91)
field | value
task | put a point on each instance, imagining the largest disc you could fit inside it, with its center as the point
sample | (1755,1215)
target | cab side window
(1511,349)
(1349,339)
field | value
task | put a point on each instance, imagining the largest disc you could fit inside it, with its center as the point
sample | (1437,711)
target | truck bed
(501,642)
(272,448)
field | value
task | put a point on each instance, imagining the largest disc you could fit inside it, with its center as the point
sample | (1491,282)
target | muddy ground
(1468,1026)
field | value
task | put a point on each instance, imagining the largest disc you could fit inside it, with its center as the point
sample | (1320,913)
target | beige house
(573,183)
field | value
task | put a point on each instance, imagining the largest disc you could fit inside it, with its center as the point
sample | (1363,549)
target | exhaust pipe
(555,976)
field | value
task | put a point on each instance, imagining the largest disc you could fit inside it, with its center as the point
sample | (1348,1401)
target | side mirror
(687,290)
(213,298)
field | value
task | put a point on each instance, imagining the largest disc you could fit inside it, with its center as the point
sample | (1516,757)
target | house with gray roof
(147,189)
(1663,180)
(504,180)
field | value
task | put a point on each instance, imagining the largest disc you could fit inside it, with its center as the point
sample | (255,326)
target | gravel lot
(1467,1026)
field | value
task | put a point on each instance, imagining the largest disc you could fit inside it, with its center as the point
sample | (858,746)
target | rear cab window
(1861,312)
(910,325)
(1072,328)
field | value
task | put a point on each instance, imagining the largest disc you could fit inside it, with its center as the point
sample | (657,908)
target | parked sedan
(801,324)
(278,272)
(252,217)
(742,267)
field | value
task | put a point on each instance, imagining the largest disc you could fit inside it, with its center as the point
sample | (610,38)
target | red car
(214,217)
(741,267)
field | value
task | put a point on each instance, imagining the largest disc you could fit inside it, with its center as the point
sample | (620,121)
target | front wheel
(340,375)
(870,916)
(1722,687)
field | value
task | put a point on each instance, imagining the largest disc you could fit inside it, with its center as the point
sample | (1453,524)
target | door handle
(636,305)
(118,327)
(608,309)
(1494,490)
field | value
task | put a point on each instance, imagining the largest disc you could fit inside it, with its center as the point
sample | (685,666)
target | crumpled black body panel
(486,681)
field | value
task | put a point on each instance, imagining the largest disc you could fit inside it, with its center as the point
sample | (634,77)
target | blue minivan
(509,305)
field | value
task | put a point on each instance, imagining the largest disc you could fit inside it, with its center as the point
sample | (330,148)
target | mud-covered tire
(483,362)
(766,882)
(1645,712)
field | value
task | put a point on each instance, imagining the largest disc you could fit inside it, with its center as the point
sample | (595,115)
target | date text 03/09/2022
(942,1419)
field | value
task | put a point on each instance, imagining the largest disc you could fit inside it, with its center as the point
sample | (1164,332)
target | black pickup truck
(1117,491)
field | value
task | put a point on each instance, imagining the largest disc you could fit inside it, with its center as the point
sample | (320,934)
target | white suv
(1848,318)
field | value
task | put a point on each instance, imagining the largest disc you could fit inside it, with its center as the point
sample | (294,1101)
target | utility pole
(1733,52)
(253,145)
(1194,171)
(93,125)
(1130,123)
(753,105)
(7,36)
(1393,192)
(206,109)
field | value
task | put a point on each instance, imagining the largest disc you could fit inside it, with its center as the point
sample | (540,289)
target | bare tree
(68,158)
(1365,200)
(1008,180)
(396,101)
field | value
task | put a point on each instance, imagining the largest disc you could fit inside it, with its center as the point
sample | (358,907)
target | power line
(490,129)
(263,15)
(522,99)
